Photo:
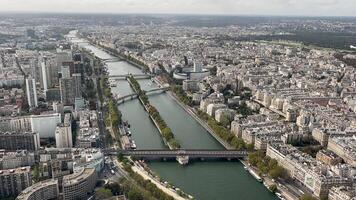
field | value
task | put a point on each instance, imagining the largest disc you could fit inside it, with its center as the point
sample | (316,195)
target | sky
(221,7)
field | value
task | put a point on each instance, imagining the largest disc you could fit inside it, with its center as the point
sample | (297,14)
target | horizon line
(178,14)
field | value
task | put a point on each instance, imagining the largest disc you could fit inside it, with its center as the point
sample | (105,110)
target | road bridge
(126,76)
(111,59)
(122,99)
(166,154)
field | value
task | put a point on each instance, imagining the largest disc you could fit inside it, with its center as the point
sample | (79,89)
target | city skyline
(200,7)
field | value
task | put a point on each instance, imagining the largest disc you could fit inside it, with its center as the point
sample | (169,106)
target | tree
(225,121)
(307,197)
(238,143)
(277,172)
(250,147)
(103,193)
(167,133)
(272,163)
(115,188)
(273,188)
(36,173)
(135,194)
(174,144)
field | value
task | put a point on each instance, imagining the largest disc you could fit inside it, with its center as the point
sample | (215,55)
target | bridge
(122,99)
(126,76)
(176,154)
(111,59)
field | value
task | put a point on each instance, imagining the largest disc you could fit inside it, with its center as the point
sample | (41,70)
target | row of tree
(224,133)
(141,189)
(113,116)
(180,93)
(267,165)
(166,132)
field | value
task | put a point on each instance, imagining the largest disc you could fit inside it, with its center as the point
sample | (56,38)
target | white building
(45,124)
(63,136)
(31,92)
(212,108)
(63,133)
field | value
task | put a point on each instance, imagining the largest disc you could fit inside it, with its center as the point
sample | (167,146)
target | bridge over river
(122,99)
(167,154)
(126,76)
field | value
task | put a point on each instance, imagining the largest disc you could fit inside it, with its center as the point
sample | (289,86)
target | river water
(205,180)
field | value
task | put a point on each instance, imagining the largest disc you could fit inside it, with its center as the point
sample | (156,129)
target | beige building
(303,168)
(80,185)
(342,193)
(345,147)
(328,157)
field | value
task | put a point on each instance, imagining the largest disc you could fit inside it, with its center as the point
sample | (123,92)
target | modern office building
(78,85)
(19,141)
(44,190)
(31,92)
(44,74)
(65,72)
(14,181)
(67,91)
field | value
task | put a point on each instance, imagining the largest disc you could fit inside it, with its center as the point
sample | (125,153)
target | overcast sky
(234,7)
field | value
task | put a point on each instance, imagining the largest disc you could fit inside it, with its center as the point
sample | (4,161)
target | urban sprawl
(289,106)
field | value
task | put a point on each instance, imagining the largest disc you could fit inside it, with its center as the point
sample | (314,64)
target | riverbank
(192,113)
(145,175)
(164,130)
(142,178)
(115,53)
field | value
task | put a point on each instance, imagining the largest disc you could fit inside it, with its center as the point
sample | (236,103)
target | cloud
(257,7)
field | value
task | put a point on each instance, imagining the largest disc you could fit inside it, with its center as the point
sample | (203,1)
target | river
(205,180)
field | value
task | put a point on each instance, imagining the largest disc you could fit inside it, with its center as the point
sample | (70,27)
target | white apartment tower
(64,133)
(31,92)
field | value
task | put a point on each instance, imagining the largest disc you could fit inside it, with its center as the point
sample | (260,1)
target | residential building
(67,90)
(44,190)
(345,147)
(78,85)
(31,92)
(342,193)
(19,141)
(79,185)
(14,181)
(15,159)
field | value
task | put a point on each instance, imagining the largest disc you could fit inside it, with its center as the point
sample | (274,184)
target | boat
(265,184)
(245,168)
(128,133)
(133,145)
(279,195)
(183,160)
(257,177)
